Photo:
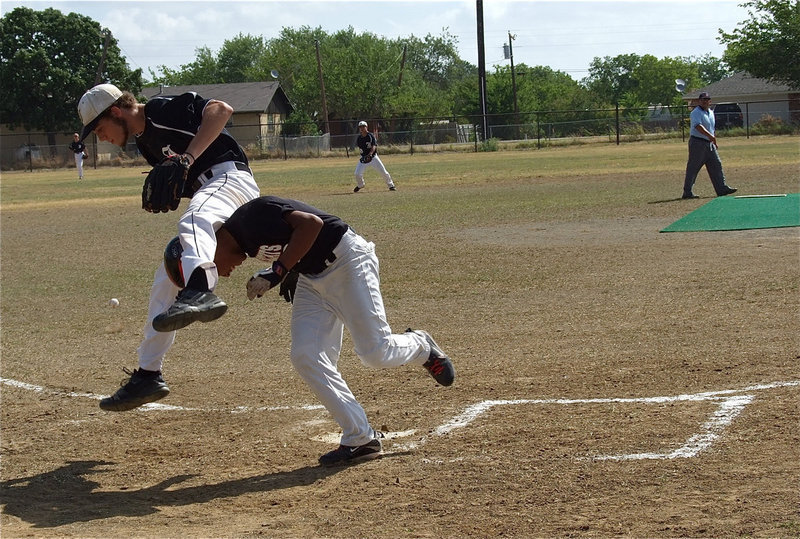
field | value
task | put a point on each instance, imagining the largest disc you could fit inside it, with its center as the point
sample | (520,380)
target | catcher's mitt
(366,158)
(164,185)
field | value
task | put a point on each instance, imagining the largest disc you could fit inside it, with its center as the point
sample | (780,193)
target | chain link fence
(524,130)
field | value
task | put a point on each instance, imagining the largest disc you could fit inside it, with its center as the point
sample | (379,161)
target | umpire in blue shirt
(703,150)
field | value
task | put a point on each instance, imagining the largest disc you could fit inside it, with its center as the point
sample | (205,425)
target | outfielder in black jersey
(368,145)
(79,150)
(188,130)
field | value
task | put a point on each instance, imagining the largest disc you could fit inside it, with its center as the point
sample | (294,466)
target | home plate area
(705,416)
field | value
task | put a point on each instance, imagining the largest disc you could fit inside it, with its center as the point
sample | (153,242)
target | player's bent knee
(376,358)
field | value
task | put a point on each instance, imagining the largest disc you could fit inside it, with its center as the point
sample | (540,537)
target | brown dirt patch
(564,334)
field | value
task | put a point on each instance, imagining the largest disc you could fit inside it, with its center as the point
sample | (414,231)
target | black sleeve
(183,112)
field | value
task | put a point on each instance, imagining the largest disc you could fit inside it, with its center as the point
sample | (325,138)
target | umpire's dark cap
(704,95)
(94,103)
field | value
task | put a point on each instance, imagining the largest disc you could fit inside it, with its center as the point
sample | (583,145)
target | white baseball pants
(346,294)
(377,164)
(208,209)
(79,164)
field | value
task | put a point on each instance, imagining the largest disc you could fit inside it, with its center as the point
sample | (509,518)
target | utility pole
(481,69)
(97,78)
(513,75)
(402,65)
(513,82)
(101,67)
(322,88)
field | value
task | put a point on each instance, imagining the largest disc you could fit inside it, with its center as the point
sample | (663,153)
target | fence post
(617,122)
(411,133)
(747,118)
(538,131)
(683,126)
(285,156)
(30,153)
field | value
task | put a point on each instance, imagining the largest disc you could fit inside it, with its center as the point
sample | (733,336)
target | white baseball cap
(94,103)
(362,122)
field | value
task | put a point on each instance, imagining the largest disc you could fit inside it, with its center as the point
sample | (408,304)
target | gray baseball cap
(94,103)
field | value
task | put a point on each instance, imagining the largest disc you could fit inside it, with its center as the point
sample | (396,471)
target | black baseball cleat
(142,387)
(345,454)
(357,189)
(727,191)
(438,365)
(190,306)
(687,196)
(393,188)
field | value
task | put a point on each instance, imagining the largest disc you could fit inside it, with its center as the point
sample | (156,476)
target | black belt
(200,181)
(699,138)
(238,164)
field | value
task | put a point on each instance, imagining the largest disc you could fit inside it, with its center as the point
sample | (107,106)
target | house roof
(740,83)
(242,96)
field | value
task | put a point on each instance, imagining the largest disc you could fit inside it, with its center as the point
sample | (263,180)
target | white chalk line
(731,403)
(157,405)
(729,408)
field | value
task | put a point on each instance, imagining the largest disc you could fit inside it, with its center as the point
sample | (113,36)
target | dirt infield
(612,381)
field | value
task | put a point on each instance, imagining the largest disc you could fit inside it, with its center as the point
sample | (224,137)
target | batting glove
(263,280)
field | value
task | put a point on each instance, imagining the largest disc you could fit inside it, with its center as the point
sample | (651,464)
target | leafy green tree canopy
(235,62)
(647,79)
(365,76)
(767,45)
(48,60)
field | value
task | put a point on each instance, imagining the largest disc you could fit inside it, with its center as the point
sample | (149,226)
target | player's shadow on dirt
(65,496)
(679,199)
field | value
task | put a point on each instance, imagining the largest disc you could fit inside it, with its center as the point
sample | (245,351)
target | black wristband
(279,269)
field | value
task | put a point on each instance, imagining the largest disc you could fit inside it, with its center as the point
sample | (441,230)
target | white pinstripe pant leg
(347,294)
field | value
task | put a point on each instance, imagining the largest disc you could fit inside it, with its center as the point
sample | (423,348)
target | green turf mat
(742,213)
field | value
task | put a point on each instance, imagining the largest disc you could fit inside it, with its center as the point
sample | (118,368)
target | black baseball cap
(704,95)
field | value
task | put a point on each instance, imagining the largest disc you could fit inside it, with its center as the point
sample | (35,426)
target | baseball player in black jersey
(184,138)
(368,145)
(337,287)
(79,149)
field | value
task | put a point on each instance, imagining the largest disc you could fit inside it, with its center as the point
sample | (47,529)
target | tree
(768,45)
(48,60)
(361,71)
(610,78)
(236,62)
(203,70)
(647,79)
(711,69)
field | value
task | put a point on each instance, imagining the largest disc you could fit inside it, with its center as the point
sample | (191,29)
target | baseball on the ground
(114,302)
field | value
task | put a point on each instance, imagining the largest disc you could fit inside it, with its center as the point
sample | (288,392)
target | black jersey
(366,143)
(77,147)
(261,231)
(171,124)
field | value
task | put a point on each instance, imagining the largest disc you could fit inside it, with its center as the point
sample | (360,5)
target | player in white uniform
(219,181)
(78,148)
(368,145)
(337,286)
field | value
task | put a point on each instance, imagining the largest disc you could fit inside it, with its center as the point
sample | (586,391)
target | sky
(565,35)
